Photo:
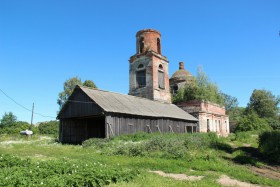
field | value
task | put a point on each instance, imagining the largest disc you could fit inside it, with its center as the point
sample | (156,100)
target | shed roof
(127,104)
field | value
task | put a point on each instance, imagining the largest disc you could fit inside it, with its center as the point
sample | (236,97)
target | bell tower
(148,68)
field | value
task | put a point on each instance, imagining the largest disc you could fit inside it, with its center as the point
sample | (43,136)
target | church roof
(181,74)
(127,104)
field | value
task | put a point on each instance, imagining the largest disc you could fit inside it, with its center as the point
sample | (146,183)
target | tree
(8,120)
(89,83)
(230,102)
(68,88)
(264,103)
(200,88)
(49,127)
(251,122)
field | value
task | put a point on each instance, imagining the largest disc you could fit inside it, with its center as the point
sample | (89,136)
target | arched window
(141,45)
(175,89)
(141,76)
(160,77)
(158,46)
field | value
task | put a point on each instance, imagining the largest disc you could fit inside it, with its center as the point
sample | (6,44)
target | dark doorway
(96,127)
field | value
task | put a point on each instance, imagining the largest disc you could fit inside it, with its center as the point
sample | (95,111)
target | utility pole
(32,114)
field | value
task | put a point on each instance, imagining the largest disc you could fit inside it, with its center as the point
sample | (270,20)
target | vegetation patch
(25,172)
(269,145)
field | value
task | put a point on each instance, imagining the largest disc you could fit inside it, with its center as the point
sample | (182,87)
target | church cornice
(148,54)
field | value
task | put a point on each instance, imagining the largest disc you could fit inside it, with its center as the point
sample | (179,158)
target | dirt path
(226,181)
(267,171)
(178,176)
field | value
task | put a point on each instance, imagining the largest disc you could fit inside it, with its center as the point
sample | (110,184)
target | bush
(15,128)
(50,127)
(135,137)
(269,145)
(95,142)
(170,146)
(252,122)
(274,123)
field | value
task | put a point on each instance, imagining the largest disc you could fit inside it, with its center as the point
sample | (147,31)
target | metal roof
(127,104)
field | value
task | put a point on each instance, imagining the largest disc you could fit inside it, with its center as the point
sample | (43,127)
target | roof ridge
(123,94)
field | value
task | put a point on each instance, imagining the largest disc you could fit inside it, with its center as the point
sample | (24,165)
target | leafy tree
(236,113)
(252,122)
(274,123)
(264,103)
(8,119)
(230,102)
(69,86)
(49,127)
(89,83)
(200,88)
(269,145)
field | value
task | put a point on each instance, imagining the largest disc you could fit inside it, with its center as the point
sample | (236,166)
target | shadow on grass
(249,156)
(223,147)
(244,155)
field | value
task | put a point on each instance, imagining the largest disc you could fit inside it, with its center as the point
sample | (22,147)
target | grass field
(127,160)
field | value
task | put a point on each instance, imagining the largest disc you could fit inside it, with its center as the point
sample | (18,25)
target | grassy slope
(46,149)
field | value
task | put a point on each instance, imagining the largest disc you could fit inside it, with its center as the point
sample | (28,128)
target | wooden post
(32,114)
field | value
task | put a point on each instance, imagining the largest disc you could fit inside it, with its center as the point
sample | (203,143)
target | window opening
(158,46)
(160,77)
(141,45)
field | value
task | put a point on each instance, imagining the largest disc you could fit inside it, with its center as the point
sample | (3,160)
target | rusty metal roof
(127,104)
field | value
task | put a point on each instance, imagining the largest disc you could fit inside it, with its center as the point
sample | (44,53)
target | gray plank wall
(80,105)
(117,124)
(72,131)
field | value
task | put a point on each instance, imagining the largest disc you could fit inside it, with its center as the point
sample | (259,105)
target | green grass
(210,159)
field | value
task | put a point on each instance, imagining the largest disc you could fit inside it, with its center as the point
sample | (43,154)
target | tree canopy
(8,120)
(201,88)
(264,103)
(68,88)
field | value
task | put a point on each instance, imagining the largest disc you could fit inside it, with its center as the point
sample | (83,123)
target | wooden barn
(101,114)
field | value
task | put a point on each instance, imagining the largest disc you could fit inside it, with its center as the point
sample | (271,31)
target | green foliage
(15,128)
(200,89)
(236,113)
(170,146)
(23,172)
(264,103)
(135,137)
(230,102)
(211,161)
(8,119)
(252,122)
(245,137)
(89,83)
(95,142)
(68,88)
(49,127)
(269,145)
(274,123)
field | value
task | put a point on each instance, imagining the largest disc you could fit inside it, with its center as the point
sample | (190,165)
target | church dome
(181,74)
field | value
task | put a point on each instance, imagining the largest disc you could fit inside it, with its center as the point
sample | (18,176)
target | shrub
(50,127)
(274,123)
(15,128)
(252,122)
(95,142)
(269,145)
(134,137)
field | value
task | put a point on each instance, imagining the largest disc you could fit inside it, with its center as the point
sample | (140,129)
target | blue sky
(43,43)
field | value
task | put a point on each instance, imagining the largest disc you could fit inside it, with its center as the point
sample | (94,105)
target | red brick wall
(150,37)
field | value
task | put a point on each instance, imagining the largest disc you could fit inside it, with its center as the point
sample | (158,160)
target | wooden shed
(101,114)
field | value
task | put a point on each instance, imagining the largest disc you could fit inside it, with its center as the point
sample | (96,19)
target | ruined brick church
(148,75)
(147,108)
